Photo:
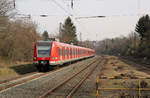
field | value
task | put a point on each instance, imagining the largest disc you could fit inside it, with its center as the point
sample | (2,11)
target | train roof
(69,45)
(64,44)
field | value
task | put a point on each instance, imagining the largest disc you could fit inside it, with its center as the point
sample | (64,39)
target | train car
(51,53)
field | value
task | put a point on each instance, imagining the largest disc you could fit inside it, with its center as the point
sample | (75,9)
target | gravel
(36,87)
(88,88)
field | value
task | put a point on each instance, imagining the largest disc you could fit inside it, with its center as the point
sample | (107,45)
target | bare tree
(119,46)
(6,7)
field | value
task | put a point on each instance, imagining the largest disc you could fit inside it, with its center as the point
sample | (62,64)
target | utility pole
(14,3)
(60,33)
(72,4)
(80,36)
(134,40)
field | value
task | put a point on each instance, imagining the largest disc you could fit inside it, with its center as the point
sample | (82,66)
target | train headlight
(34,58)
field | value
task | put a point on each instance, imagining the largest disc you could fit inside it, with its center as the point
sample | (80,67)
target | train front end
(42,55)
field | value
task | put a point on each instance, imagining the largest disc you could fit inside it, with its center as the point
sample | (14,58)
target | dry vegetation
(17,36)
(119,69)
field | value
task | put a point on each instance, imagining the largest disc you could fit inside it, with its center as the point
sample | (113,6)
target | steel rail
(65,81)
(25,80)
(20,82)
(17,77)
(81,82)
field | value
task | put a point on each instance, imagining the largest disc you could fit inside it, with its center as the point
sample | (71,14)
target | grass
(6,73)
(9,69)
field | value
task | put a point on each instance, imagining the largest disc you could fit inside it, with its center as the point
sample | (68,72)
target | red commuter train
(49,53)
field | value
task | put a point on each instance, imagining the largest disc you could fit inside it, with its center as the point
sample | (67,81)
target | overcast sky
(121,15)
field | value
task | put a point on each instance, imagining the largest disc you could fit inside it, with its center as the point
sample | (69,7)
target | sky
(121,16)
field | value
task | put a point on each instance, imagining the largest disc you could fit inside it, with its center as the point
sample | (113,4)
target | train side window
(65,51)
(60,53)
(68,51)
(74,52)
(79,51)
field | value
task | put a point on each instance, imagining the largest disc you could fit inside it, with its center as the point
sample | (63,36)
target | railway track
(19,80)
(69,86)
(35,87)
(5,84)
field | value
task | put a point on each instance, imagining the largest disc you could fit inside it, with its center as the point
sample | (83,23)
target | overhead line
(61,7)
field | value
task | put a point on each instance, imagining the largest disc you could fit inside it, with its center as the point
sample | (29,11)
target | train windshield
(43,49)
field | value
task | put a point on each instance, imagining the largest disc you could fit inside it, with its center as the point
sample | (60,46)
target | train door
(67,53)
(63,54)
(76,52)
(70,53)
(60,54)
(73,53)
